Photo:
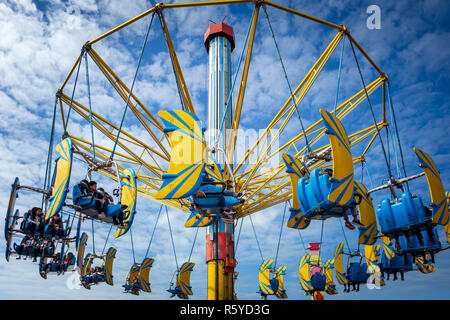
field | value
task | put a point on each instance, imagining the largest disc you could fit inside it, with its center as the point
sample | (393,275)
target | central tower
(219,43)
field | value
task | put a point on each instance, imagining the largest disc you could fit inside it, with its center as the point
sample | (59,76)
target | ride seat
(428,245)
(81,197)
(407,212)
(318,281)
(313,195)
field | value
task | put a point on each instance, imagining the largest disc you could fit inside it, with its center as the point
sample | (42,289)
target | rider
(102,200)
(56,226)
(23,247)
(36,220)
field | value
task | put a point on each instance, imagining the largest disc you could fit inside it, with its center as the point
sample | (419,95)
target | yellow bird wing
(129,197)
(294,169)
(63,169)
(109,260)
(199,220)
(339,265)
(144,273)
(438,197)
(371,258)
(424,266)
(367,217)
(342,185)
(86,265)
(213,170)
(279,275)
(304,274)
(184,276)
(328,271)
(80,253)
(134,272)
(264,277)
(387,248)
(187,155)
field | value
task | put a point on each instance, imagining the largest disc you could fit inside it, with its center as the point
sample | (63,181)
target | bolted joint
(159,7)
(86,47)
(258,3)
(59,93)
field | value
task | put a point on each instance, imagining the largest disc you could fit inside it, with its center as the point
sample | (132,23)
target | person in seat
(36,221)
(102,200)
(47,248)
(22,248)
(56,227)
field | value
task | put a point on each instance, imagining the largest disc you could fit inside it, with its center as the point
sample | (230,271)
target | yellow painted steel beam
(304,15)
(148,189)
(145,116)
(184,92)
(260,192)
(301,91)
(121,26)
(122,89)
(364,53)
(70,73)
(96,121)
(204,3)
(242,86)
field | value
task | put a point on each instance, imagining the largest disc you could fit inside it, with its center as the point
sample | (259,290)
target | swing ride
(178,162)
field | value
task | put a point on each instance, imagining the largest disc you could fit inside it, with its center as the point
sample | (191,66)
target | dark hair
(91,183)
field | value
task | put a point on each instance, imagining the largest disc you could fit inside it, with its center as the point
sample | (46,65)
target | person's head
(36,211)
(92,185)
(57,216)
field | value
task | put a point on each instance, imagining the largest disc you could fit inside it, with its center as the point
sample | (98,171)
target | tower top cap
(219,29)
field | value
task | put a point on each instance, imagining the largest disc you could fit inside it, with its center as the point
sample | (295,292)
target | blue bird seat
(88,203)
(405,213)
(313,196)
(318,281)
(217,197)
(357,273)
(427,245)
(397,263)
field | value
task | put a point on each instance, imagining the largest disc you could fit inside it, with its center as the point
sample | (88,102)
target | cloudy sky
(42,39)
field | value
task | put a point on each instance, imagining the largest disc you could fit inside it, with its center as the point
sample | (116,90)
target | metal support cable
(132,246)
(49,154)
(93,236)
(73,91)
(301,239)
(154,229)
(345,237)
(193,245)
(256,237)
(132,86)
(396,131)
(339,75)
(162,23)
(287,81)
(239,236)
(107,238)
(279,237)
(90,104)
(171,238)
(321,238)
(371,110)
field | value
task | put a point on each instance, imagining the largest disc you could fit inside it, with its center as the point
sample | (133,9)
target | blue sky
(42,39)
